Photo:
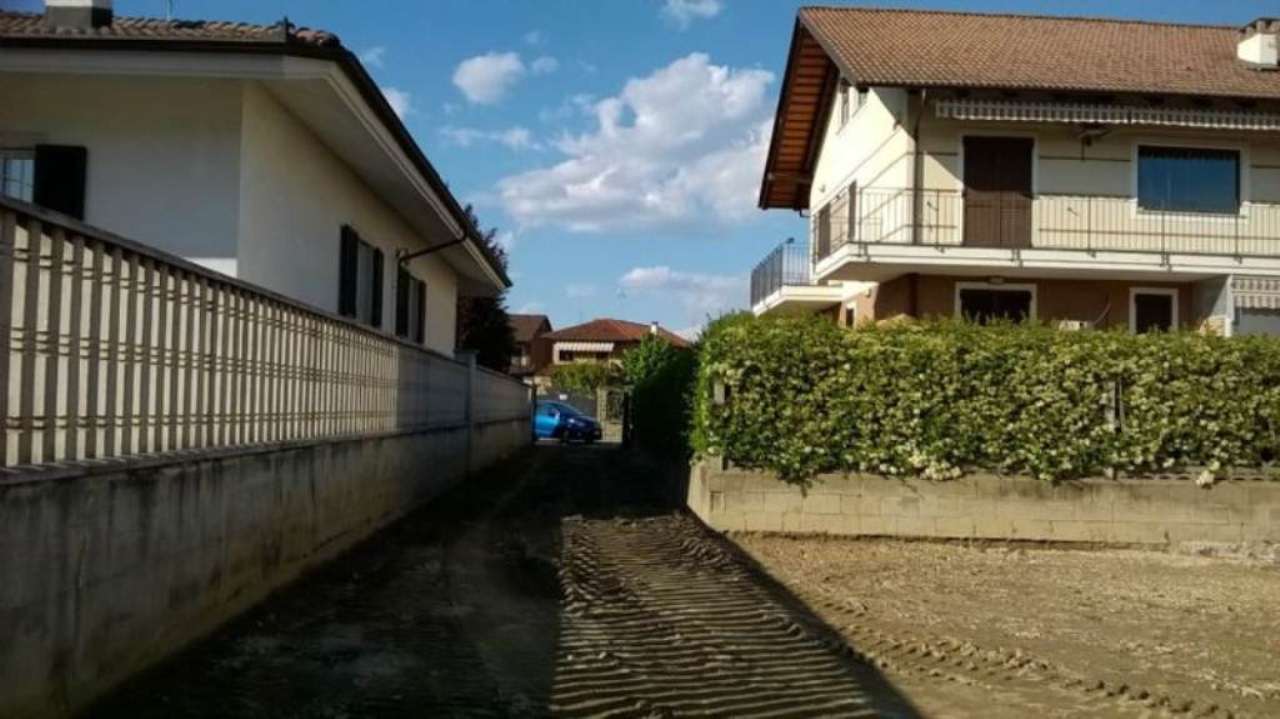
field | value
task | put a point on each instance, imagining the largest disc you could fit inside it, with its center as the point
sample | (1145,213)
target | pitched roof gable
(611,330)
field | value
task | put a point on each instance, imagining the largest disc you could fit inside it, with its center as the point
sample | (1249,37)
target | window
(566,356)
(983,303)
(850,315)
(359,279)
(18,174)
(1184,179)
(1153,309)
(824,232)
(411,306)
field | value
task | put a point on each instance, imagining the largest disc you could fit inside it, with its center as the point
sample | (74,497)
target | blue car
(557,420)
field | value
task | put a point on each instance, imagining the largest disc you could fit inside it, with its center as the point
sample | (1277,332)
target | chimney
(1257,45)
(653,328)
(82,14)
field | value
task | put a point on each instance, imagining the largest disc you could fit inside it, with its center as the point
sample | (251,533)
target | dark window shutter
(348,262)
(420,332)
(378,262)
(402,302)
(60,179)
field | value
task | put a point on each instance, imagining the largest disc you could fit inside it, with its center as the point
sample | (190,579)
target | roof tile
(15,25)
(611,330)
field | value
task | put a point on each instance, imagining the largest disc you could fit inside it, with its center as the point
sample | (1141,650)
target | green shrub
(937,399)
(585,377)
(660,377)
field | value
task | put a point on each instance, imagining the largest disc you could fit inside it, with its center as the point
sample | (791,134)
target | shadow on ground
(564,582)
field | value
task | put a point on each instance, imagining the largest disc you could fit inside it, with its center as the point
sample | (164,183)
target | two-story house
(263,152)
(1083,172)
(533,353)
(604,340)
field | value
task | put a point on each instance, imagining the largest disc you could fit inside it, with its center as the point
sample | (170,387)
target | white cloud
(399,100)
(515,138)
(544,65)
(700,295)
(683,12)
(533,37)
(579,291)
(579,104)
(373,56)
(485,79)
(507,241)
(691,333)
(531,308)
(681,147)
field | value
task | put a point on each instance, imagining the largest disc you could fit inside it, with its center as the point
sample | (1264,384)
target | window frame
(411,306)
(20,153)
(1170,292)
(1033,312)
(1243,189)
(369,284)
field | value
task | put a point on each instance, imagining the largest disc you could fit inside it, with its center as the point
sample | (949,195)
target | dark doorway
(1153,312)
(982,305)
(997,191)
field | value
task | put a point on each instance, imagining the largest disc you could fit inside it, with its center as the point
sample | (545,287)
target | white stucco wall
(163,154)
(873,148)
(295,195)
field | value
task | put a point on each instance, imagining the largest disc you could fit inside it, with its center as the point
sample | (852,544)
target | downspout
(917,172)
(917,198)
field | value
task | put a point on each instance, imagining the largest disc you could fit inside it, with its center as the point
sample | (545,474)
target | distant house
(1082,172)
(264,152)
(603,340)
(533,353)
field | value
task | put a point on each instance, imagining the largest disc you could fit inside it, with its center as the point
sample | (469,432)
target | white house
(1080,171)
(263,152)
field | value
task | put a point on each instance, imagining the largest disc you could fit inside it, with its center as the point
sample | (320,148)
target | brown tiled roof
(877,46)
(610,330)
(32,25)
(525,327)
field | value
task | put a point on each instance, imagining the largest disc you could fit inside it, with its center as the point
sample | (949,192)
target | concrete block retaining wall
(109,568)
(1122,511)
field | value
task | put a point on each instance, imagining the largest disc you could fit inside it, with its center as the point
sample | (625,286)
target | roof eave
(344,58)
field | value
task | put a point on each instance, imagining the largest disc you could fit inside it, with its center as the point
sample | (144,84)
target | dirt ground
(564,583)
(1023,630)
(568,582)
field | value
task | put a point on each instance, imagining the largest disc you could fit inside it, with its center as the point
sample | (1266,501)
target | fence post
(469,407)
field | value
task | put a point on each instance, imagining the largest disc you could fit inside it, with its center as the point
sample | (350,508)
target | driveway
(559,584)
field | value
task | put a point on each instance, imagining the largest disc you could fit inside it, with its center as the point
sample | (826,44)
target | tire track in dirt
(998,671)
(661,619)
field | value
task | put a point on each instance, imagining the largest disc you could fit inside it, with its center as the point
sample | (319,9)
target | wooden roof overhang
(808,87)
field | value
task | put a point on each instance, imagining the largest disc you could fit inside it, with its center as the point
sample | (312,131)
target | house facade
(1086,173)
(265,153)
(603,340)
(533,353)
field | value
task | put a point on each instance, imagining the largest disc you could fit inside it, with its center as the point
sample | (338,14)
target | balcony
(884,236)
(783,282)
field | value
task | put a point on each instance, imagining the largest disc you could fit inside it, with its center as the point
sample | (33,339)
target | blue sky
(616,145)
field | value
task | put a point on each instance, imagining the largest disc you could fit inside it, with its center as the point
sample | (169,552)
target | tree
(483,324)
(660,377)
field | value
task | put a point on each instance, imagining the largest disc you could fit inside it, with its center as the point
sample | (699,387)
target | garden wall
(981,506)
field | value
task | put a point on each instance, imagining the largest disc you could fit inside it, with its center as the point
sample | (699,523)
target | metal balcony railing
(787,265)
(1091,223)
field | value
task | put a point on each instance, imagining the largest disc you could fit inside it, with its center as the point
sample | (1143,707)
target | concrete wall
(109,569)
(295,196)
(1136,511)
(164,154)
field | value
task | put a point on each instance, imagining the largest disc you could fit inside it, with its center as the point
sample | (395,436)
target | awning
(1256,292)
(584,347)
(1097,114)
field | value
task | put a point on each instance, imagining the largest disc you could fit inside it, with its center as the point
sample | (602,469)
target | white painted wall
(295,195)
(163,154)
(873,148)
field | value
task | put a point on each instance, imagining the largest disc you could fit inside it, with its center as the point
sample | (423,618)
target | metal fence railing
(1069,222)
(787,265)
(113,349)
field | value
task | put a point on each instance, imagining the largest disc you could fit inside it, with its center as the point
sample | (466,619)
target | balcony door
(997,191)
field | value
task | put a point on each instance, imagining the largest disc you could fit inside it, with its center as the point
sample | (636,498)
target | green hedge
(937,399)
(660,377)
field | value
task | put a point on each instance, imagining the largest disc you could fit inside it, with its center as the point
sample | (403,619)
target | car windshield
(563,409)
